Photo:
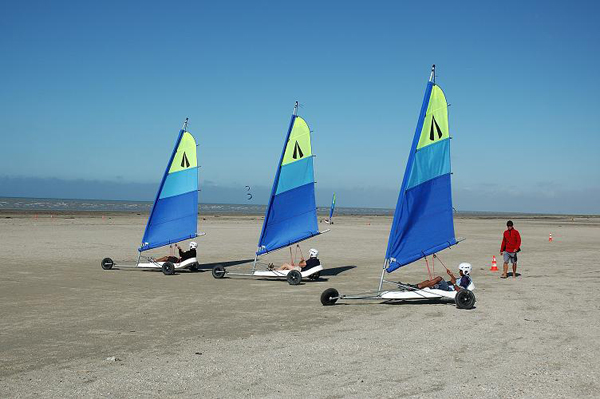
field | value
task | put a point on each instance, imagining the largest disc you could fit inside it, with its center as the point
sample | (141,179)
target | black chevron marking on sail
(297,151)
(184,161)
(437,128)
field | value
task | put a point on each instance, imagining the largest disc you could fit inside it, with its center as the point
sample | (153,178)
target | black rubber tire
(107,263)
(168,268)
(218,271)
(465,299)
(294,277)
(329,297)
(315,276)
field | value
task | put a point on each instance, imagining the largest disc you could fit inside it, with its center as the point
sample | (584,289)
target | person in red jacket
(511,244)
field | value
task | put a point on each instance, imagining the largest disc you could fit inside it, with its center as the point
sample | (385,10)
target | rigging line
(435,256)
(263,263)
(295,253)
(300,248)
(428,271)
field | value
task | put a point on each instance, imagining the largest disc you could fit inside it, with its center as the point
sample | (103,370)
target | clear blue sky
(98,91)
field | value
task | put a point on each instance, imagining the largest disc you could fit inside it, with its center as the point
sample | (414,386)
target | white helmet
(313,253)
(193,245)
(465,267)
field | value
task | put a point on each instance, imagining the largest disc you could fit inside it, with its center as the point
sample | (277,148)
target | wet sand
(189,335)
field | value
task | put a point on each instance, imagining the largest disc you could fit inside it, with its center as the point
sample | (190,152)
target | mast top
(432,76)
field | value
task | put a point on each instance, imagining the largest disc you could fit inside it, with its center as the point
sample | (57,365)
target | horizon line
(243,204)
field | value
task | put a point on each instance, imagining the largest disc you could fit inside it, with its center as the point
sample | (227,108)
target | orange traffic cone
(494,267)
(550,237)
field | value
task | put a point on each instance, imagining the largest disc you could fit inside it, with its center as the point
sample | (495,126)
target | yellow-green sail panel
(298,146)
(185,157)
(435,126)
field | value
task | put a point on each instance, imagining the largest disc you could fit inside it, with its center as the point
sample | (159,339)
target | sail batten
(291,214)
(423,221)
(174,214)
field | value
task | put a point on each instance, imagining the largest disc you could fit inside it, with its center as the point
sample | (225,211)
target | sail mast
(276,180)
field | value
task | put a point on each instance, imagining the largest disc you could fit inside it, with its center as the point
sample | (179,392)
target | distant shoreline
(16,206)
(23,214)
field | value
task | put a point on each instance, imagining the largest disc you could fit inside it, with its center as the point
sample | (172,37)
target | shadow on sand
(441,301)
(334,271)
(209,266)
(376,302)
(510,274)
(202,267)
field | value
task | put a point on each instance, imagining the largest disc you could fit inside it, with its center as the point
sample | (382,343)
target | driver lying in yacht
(454,284)
(183,255)
(304,264)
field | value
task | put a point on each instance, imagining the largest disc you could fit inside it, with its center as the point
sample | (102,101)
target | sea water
(82,205)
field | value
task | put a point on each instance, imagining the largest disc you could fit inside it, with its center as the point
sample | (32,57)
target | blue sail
(423,221)
(291,215)
(174,214)
(332,207)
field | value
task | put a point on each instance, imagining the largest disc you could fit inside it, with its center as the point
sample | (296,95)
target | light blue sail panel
(430,162)
(295,174)
(174,214)
(181,182)
(423,221)
(290,219)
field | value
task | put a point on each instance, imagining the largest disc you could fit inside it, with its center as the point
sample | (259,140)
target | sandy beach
(189,335)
